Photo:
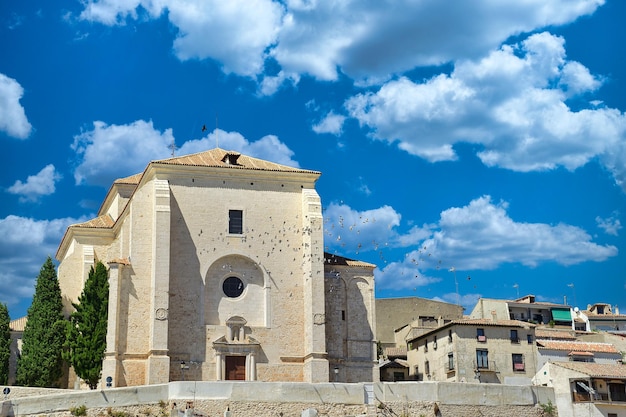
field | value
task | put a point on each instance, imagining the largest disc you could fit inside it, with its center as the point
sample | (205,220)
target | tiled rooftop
(102,222)
(597,370)
(491,322)
(228,159)
(577,346)
(543,333)
(331,259)
(395,351)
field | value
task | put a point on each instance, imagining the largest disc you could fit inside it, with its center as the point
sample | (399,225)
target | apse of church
(217,272)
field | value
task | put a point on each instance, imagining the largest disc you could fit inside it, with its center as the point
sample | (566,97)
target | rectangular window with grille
(518,362)
(482,359)
(235,222)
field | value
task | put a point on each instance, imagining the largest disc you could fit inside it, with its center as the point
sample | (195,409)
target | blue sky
(468,149)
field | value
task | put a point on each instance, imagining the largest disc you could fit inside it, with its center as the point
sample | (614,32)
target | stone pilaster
(110,365)
(315,356)
(158,366)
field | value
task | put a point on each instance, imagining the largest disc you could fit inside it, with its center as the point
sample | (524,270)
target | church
(217,271)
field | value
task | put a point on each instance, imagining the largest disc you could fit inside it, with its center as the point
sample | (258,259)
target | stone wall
(258,399)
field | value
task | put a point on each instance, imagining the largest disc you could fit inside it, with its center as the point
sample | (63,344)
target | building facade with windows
(527,309)
(586,389)
(474,350)
(217,271)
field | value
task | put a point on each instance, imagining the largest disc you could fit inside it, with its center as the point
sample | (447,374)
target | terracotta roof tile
(101,222)
(331,259)
(596,370)
(580,354)
(121,261)
(491,322)
(228,159)
(395,351)
(577,346)
(133,179)
(543,333)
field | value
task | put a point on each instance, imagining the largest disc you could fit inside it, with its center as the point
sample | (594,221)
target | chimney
(494,315)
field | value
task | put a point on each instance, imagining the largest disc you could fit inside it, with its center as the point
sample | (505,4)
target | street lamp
(182,369)
(336,373)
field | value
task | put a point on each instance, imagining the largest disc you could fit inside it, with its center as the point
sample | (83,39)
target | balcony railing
(519,367)
(486,367)
(481,338)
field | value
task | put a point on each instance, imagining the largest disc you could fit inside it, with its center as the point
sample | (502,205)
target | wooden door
(236,368)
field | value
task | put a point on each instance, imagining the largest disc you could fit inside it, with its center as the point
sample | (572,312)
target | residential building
(527,309)
(586,389)
(398,319)
(602,317)
(393,366)
(217,271)
(576,351)
(475,350)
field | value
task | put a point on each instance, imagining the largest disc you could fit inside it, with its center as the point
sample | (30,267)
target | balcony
(486,367)
(519,367)
(481,339)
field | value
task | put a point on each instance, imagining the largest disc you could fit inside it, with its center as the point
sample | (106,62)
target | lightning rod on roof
(172,147)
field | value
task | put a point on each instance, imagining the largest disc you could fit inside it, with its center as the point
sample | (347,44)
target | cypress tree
(86,333)
(40,364)
(5,344)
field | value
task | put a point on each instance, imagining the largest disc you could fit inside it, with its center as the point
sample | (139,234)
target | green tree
(40,364)
(5,344)
(87,330)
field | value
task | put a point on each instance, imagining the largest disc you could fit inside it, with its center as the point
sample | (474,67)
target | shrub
(79,411)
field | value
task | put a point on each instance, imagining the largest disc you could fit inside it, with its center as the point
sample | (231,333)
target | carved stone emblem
(319,318)
(161,314)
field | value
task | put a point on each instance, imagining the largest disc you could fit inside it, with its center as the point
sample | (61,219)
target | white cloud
(13,119)
(235,33)
(367,40)
(357,231)
(109,152)
(268,147)
(40,184)
(402,276)
(479,236)
(331,123)
(611,225)
(482,236)
(24,248)
(512,103)
(468,301)
(116,12)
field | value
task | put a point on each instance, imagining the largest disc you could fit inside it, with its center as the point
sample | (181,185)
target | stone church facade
(217,271)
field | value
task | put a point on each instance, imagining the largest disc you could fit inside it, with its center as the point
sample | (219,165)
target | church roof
(101,222)
(133,179)
(221,158)
(332,259)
